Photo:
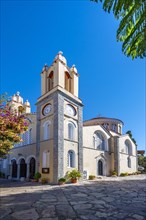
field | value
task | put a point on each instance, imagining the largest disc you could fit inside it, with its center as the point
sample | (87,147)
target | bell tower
(59,121)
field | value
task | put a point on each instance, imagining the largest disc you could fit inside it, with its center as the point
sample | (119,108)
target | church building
(58,140)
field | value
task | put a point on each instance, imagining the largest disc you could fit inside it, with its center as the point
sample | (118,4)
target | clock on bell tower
(59,124)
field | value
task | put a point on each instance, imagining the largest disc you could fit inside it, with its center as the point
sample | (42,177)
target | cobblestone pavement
(107,198)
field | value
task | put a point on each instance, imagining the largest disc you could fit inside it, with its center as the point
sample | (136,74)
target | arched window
(22,168)
(106,125)
(4,163)
(14,168)
(71,131)
(68,82)
(50,81)
(47,130)
(128,147)
(71,159)
(46,159)
(120,129)
(99,142)
(114,127)
(129,162)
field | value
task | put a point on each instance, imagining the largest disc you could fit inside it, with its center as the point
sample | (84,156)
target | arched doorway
(14,169)
(22,168)
(32,168)
(100,168)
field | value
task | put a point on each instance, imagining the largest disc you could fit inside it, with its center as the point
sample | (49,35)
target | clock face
(70,110)
(47,109)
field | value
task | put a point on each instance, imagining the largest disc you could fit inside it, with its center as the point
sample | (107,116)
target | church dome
(61,58)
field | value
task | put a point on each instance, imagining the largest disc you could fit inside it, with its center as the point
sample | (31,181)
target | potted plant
(61,181)
(114,173)
(74,175)
(37,176)
(44,180)
(91,177)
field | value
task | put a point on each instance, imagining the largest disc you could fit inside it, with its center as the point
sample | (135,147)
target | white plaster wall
(88,132)
(122,146)
(90,158)
(123,166)
(46,146)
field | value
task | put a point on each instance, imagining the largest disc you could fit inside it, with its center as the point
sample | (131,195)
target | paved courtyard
(107,198)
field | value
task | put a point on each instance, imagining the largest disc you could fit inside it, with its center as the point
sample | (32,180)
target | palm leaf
(132,28)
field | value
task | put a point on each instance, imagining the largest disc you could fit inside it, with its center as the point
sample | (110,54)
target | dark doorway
(14,169)
(32,168)
(100,167)
(22,168)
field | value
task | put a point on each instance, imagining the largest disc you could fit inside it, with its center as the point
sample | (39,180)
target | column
(18,171)
(27,171)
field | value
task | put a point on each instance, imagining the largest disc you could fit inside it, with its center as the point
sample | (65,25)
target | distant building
(58,141)
(141,152)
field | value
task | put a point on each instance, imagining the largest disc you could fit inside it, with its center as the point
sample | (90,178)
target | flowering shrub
(12,125)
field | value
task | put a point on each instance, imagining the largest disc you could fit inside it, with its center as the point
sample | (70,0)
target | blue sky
(110,84)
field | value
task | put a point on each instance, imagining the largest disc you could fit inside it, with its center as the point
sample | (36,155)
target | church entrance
(32,168)
(14,169)
(100,168)
(22,168)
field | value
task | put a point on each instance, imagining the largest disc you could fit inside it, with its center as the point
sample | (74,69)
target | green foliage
(130,135)
(91,177)
(132,27)
(62,180)
(37,176)
(11,126)
(142,161)
(114,173)
(124,174)
(74,174)
(2,175)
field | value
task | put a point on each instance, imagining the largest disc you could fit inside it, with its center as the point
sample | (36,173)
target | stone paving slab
(106,198)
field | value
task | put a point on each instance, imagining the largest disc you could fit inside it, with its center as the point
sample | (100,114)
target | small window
(70,159)
(46,159)
(4,163)
(106,125)
(68,82)
(25,138)
(50,81)
(46,126)
(129,162)
(114,127)
(120,129)
(71,129)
